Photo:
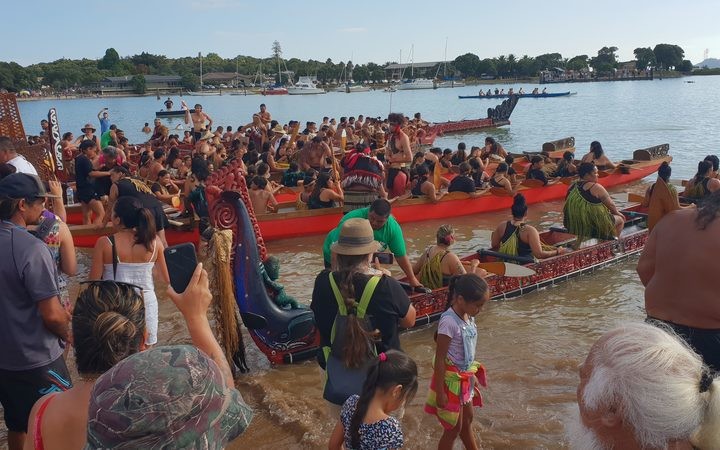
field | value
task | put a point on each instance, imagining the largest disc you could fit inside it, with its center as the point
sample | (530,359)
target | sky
(361,31)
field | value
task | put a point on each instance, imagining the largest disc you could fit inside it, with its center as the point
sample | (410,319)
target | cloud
(353,30)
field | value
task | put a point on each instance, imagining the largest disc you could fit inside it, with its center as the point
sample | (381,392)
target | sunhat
(278,129)
(87,125)
(206,135)
(356,238)
(167,397)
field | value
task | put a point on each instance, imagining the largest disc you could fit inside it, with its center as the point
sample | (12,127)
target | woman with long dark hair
(324,194)
(423,187)
(702,184)
(126,186)
(597,156)
(566,167)
(365,420)
(131,254)
(357,288)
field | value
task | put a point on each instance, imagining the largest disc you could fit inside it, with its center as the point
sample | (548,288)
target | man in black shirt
(536,171)
(463,182)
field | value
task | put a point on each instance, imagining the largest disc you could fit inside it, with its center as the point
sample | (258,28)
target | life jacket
(341,381)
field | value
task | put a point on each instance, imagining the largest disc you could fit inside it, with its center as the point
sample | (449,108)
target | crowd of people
(642,386)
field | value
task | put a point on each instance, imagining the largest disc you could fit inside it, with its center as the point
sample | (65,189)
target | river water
(531,346)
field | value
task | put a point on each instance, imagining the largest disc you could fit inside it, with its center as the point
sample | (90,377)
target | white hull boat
(417,83)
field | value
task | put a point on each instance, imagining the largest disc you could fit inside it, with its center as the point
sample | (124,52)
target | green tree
(668,55)
(605,62)
(138,83)
(686,66)
(577,63)
(468,64)
(549,60)
(645,57)
(526,66)
(190,81)
(110,60)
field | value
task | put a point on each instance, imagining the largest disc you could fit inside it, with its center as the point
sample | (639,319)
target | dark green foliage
(67,74)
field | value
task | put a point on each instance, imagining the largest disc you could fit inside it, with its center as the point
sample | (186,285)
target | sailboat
(275,89)
(415,83)
(348,86)
(448,83)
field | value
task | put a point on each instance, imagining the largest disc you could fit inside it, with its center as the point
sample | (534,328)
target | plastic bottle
(70,196)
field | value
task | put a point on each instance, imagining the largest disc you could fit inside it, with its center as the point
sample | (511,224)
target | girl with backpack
(365,421)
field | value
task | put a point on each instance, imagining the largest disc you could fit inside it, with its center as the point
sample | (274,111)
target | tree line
(64,74)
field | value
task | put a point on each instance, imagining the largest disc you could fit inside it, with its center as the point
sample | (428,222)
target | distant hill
(711,63)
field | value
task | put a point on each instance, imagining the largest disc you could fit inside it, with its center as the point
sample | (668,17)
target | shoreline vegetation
(87,76)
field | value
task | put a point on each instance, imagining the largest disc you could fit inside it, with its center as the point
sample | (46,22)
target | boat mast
(412,62)
(445,66)
(201,82)
(237,66)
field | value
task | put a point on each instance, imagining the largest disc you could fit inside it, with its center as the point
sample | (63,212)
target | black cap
(23,185)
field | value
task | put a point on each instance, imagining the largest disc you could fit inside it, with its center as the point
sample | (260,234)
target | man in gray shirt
(33,323)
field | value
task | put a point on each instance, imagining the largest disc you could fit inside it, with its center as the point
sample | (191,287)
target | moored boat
(274,90)
(179,113)
(304,86)
(539,95)
(294,223)
(592,255)
(417,83)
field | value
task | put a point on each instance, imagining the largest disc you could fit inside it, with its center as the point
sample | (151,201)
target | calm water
(531,346)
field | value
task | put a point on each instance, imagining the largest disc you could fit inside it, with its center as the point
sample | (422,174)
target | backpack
(341,381)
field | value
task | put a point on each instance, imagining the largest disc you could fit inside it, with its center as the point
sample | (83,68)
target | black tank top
(417,189)
(494,183)
(523,247)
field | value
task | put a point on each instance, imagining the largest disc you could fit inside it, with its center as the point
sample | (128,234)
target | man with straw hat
(88,134)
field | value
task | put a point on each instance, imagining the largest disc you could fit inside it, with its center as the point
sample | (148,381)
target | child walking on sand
(456,375)
(365,422)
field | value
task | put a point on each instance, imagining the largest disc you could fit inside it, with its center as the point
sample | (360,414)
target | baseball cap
(167,397)
(23,185)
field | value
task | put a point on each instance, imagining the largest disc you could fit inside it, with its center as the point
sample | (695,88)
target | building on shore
(124,85)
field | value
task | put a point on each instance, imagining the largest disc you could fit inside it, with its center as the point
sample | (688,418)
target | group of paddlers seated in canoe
(510,91)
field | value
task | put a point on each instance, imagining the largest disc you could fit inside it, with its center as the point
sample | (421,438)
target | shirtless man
(200,121)
(398,155)
(263,201)
(265,116)
(678,268)
(315,154)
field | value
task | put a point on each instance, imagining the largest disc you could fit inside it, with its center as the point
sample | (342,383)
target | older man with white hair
(641,387)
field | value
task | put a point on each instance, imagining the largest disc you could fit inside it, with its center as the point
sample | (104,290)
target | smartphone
(181,262)
(384,257)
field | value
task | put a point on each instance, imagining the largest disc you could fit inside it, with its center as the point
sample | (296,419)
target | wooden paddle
(504,269)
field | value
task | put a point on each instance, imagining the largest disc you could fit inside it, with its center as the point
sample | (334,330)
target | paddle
(505,269)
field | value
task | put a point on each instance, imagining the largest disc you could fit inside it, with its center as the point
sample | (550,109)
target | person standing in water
(456,375)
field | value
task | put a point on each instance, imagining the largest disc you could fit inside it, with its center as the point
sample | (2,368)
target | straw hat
(278,129)
(356,238)
(87,125)
(206,135)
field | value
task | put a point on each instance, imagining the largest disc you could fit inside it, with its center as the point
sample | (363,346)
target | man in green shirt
(386,231)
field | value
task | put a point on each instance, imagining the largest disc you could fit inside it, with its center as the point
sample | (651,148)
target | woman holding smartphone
(131,256)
